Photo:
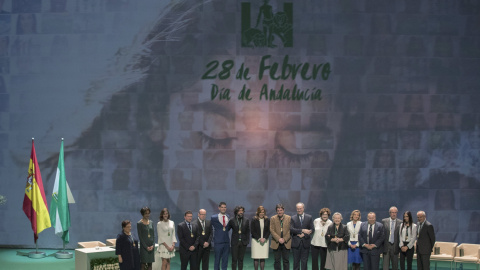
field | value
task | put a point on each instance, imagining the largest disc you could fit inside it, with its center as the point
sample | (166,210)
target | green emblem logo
(271,29)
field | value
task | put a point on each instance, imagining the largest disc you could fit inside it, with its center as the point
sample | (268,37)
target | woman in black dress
(146,236)
(127,248)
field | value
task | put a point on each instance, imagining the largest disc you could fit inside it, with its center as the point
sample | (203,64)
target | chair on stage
(443,252)
(91,244)
(467,253)
(111,242)
(478,261)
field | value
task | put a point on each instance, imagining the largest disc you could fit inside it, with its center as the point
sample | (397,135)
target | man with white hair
(301,228)
(425,241)
(391,247)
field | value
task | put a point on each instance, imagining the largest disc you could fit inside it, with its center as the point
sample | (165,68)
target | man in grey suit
(425,241)
(370,239)
(301,228)
(391,247)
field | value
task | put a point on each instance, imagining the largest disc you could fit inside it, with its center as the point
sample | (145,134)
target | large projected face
(155,108)
(365,144)
(250,152)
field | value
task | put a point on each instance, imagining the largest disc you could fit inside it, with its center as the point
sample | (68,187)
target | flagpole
(54,206)
(35,254)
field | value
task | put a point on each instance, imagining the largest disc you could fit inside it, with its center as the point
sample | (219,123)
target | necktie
(392,230)
(301,219)
(370,235)
(190,228)
(223,221)
(203,225)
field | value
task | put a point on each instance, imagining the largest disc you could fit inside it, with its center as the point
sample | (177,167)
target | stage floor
(9,260)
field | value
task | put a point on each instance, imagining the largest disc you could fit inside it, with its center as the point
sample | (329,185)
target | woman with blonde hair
(260,230)
(353,249)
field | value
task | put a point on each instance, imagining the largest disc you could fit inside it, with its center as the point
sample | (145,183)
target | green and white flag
(61,197)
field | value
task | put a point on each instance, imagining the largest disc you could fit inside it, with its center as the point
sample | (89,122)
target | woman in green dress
(146,236)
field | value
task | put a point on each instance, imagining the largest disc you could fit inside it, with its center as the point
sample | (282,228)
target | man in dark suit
(391,247)
(370,238)
(221,239)
(425,241)
(188,237)
(240,226)
(301,228)
(204,239)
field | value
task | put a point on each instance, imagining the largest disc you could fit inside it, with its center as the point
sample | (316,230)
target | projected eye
(217,143)
(218,129)
(287,142)
(291,157)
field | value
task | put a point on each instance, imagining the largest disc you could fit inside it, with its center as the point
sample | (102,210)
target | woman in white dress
(353,249)
(260,229)
(166,240)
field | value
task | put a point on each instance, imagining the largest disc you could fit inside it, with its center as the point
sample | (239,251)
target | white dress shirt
(220,218)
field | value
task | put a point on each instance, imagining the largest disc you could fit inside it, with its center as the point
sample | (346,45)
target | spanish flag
(34,202)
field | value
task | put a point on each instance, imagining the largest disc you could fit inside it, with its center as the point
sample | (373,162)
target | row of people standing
(133,255)
(195,238)
(365,241)
(401,236)
(334,243)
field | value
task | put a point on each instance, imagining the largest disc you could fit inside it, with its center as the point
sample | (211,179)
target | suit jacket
(245,228)
(342,232)
(396,239)
(185,236)
(377,238)
(219,235)
(275,231)
(255,228)
(296,229)
(208,232)
(412,232)
(426,238)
